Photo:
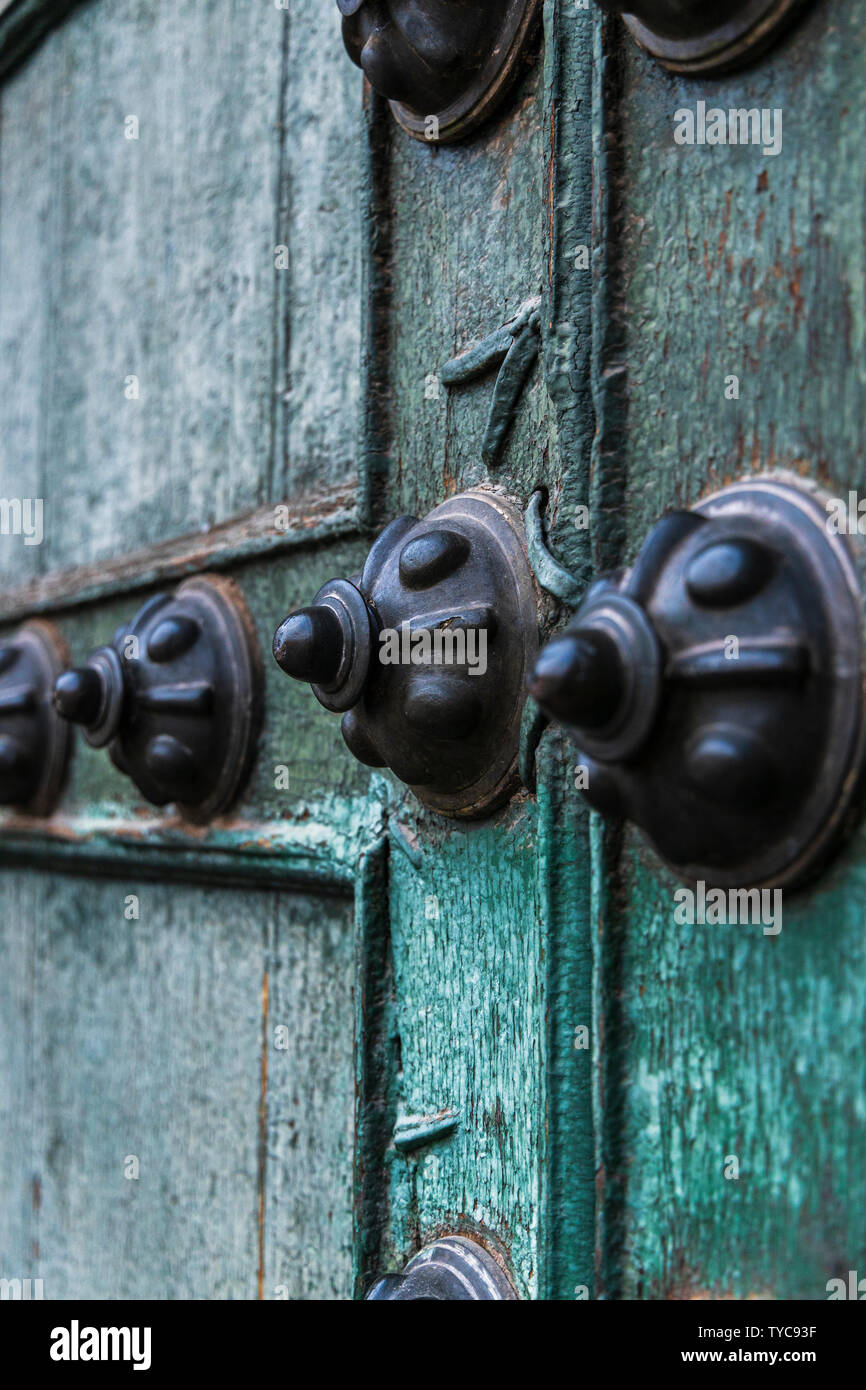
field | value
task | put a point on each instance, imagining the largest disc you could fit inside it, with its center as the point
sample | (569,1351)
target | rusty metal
(444,65)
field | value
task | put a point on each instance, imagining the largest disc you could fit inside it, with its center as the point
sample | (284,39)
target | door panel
(493,1028)
(156,258)
(467,251)
(212,1036)
(155,1039)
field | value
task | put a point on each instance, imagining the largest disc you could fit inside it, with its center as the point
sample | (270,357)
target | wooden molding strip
(304,854)
(268,530)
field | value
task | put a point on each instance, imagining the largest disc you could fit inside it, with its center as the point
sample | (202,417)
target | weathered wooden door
(276,1054)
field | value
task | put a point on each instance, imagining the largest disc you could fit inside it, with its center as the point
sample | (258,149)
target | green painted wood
(473,1009)
(471,999)
(156,258)
(301,743)
(489,943)
(157,1038)
(477,954)
(159,257)
(468,224)
(719,1041)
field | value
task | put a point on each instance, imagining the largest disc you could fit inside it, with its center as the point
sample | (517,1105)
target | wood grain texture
(268,530)
(470,1012)
(721,1041)
(155,257)
(298,737)
(490,925)
(478,949)
(467,249)
(737,263)
(156,1038)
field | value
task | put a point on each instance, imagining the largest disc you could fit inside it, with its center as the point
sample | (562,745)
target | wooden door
(275,1056)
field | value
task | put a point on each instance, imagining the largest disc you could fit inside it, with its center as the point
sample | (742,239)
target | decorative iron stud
(175,697)
(444,65)
(34,743)
(715,690)
(457,584)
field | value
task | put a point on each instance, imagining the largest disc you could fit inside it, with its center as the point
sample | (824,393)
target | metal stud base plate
(831,762)
(426,652)
(727,43)
(453,1269)
(471,775)
(176,697)
(450,62)
(34,741)
(737,745)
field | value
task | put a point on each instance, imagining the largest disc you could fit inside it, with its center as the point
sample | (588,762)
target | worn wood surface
(156,258)
(298,735)
(471,1004)
(478,952)
(720,1041)
(157,1038)
(467,249)
(472,968)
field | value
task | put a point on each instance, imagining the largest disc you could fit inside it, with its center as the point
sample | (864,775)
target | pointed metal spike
(309,645)
(79,695)
(578,678)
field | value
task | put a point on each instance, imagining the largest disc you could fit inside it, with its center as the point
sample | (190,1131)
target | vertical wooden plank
(569,937)
(467,245)
(310,1095)
(19,1175)
(27,235)
(747,1047)
(323,155)
(147,1050)
(575,254)
(471,1015)
(728,1044)
(582,517)
(377,1066)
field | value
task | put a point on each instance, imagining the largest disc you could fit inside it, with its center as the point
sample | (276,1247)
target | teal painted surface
(471,945)
(477,955)
(471,1002)
(156,258)
(467,250)
(721,1042)
(157,1038)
